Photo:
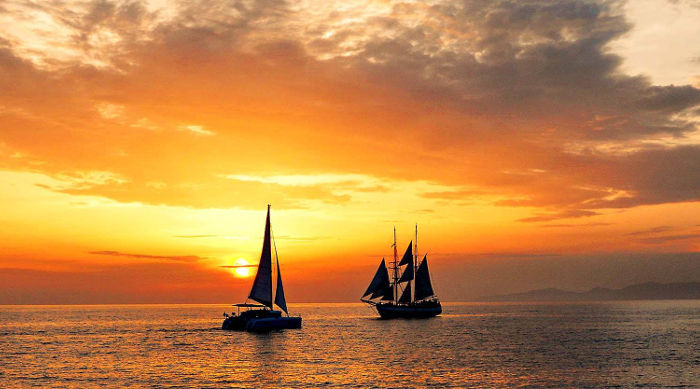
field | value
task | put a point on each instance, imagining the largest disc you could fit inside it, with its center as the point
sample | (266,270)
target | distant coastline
(644,291)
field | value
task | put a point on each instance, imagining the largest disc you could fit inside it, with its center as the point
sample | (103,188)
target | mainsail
(406,295)
(407,272)
(408,255)
(380,285)
(280,301)
(262,286)
(424,288)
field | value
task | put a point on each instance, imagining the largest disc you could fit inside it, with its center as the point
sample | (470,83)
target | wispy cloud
(178,258)
(574,213)
(653,230)
(199,130)
(581,225)
(671,238)
(195,236)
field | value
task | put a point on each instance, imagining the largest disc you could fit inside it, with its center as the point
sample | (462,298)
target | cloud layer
(514,113)
(521,99)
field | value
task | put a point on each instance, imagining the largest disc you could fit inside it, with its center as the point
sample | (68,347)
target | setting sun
(242,270)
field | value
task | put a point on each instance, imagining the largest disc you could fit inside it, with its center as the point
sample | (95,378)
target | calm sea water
(628,344)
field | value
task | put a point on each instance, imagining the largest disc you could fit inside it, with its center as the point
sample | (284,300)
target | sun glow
(244,270)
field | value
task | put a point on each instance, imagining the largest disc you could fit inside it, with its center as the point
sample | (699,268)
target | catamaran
(418,301)
(262,316)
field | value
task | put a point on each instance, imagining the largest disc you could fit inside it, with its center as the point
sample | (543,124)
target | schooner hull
(410,311)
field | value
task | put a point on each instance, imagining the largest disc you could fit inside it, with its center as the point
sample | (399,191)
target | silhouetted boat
(262,317)
(417,302)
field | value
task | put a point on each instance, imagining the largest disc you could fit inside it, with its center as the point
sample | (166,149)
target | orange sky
(535,144)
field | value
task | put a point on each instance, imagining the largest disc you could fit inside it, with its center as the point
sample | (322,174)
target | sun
(243,271)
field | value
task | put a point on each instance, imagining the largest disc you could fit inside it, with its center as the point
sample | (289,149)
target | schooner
(417,298)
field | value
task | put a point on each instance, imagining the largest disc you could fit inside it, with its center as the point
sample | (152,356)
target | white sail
(262,286)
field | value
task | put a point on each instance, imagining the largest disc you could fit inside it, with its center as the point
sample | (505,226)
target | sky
(534,143)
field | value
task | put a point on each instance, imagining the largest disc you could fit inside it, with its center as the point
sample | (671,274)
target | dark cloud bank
(490,90)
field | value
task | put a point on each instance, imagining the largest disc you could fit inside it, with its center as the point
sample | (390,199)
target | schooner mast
(415,262)
(396,269)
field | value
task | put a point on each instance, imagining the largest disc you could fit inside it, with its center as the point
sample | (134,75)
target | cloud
(523,100)
(211,193)
(179,258)
(196,236)
(582,225)
(671,238)
(653,230)
(195,129)
(453,195)
(559,215)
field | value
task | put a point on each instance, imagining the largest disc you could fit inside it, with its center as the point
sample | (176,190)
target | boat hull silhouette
(410,295)
(260,320)
(420,310)
(262,316)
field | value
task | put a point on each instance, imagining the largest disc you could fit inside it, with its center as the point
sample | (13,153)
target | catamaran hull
(269,324)
(234,323)
(391,311)
(261,324)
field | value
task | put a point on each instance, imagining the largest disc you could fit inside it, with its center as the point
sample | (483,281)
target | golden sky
(536,144)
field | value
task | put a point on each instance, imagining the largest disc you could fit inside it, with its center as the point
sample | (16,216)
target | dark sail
(407,273)
(408,255)
(424,288)
(379,283)
(280,301)
(388,293)
(406,295)
(262,286)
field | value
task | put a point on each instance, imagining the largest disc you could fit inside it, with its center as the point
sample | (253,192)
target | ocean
(489,345)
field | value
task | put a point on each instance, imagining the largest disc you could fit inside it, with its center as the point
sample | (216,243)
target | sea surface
(611,344)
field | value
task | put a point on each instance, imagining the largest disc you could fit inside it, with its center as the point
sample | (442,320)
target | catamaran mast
(396,277)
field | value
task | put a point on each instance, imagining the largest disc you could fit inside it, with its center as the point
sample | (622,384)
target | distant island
(645,291)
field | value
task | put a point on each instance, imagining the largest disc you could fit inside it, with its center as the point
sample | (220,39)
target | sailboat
(417,301)
(262,316)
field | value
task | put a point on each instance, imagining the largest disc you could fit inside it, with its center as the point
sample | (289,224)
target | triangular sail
(407,273)
(406,295)
(379,283)
(408,255)
(388,293)
(280,301)
(424,288)
(262,286)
